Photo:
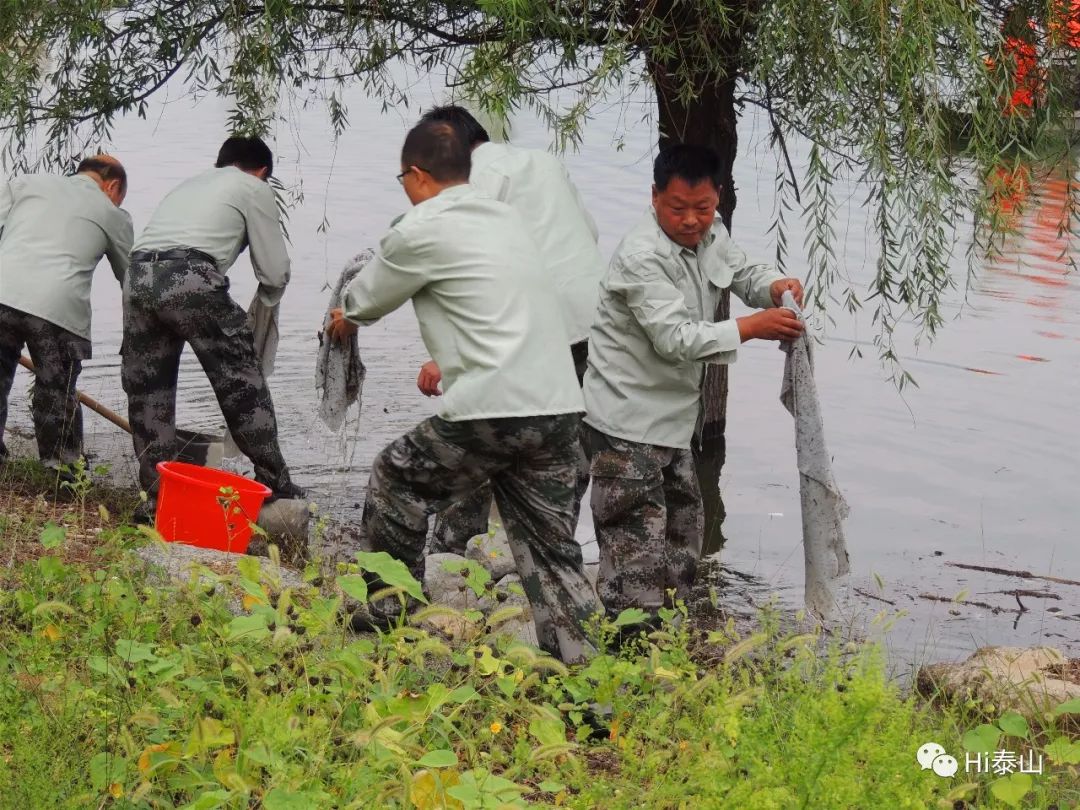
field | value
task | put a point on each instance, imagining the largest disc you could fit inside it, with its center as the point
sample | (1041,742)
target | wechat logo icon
(932,756)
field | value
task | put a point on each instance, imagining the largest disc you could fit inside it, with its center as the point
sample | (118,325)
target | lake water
(977,465)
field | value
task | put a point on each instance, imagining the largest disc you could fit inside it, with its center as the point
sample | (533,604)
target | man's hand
(429,379)
(777,288)
(340,330)
(770,324)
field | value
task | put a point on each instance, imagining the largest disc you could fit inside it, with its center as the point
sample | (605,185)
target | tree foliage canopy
(912,97)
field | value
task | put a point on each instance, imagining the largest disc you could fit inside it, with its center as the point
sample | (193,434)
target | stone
(1023,680)
(445,587)
(176,561)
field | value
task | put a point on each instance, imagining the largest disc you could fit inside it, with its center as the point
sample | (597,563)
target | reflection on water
(976,465)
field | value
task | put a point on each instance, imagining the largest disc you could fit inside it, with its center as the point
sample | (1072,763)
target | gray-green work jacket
(654,331)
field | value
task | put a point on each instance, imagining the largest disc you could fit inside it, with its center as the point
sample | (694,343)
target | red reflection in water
(1037,211)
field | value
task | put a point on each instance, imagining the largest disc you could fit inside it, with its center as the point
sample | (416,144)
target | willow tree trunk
(709,118)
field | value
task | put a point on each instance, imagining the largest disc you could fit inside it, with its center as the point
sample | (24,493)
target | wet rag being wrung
(823,505)
(339,373)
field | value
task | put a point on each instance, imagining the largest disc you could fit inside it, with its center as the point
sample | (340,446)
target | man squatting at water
(510,406)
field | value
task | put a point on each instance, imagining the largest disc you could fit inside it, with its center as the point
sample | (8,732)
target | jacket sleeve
(659,307)
(390,279)
(120,238)
(269,255)
(750,282)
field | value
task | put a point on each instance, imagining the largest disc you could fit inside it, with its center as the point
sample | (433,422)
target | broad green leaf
(134,651)
(1063,751)
(249,567)
(392,572)
(1068,707)
(982,739)
(105,769)
(1013,724)
(52,535)
(1012,789)
(630,616)
(209,733)
(211,800)
(281,799)
(249,627)
(551,786)
(486,663)
(476,576)
(355,586)
(547,729)
(442,758)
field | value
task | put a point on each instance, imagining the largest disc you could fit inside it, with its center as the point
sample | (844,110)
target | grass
(119,691)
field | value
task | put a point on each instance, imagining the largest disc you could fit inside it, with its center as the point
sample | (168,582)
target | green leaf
(106,768)
(1012,789)
(393,573)
(249,567)
(51,568)
(550,786)
(52,535)
(250,627)
(548,730)
(355,586)
(1068,707)
(211,800)
(507,685)
(630,616)
(476,576)
(134,651)
(281,799)
(1063,751)
(209,733)
(982,739)
(442,758)
(1013,724)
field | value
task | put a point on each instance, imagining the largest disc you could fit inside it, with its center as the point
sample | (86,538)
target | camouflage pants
(57,355)
(647,511)
(468,517)
(170,302)
(530,462)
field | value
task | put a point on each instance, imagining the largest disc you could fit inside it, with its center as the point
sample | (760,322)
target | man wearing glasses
(511,405)
(176,292)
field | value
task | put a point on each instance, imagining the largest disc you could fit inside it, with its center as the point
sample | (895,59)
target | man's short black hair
(462,120)
(437,148)
(690,162)
(107,170)
(247,152)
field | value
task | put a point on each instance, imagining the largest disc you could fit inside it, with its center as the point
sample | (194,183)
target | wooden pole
(89,402)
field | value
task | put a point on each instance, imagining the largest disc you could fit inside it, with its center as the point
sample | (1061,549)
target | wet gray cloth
(339,373)
(823,506)
(263,319)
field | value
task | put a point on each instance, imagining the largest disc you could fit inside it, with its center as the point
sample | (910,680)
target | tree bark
(708,118)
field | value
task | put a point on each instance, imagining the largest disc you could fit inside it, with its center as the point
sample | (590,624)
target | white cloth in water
(339,372)
(823,505)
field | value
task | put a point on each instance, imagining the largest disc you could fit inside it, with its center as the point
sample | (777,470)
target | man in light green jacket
(653,335)
(511,405)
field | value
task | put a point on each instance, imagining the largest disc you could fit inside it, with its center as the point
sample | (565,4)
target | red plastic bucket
(204,507)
